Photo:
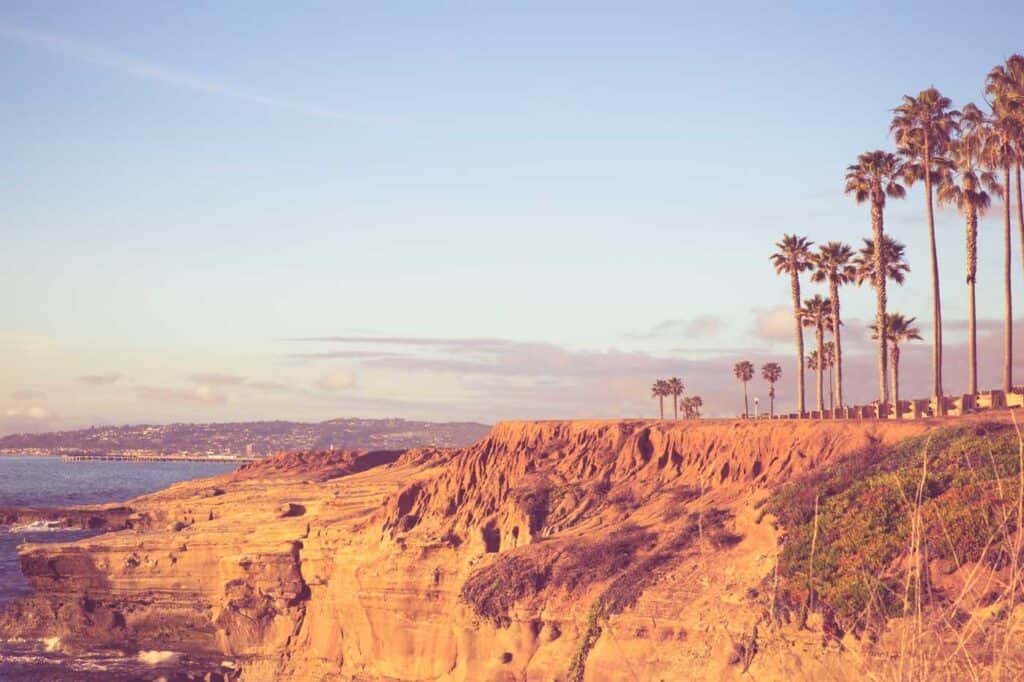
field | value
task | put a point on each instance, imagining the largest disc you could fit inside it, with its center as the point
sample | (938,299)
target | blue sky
(505,211)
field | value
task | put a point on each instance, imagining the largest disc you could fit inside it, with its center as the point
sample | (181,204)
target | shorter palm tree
(674,387)
(817,313)
(899,329)
(659,390)
(691,406)
(744,371)
(771,372)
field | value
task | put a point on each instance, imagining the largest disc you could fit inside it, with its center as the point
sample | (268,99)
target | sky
(453,211)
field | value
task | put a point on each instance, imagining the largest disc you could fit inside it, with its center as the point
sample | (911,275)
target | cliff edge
(564,550)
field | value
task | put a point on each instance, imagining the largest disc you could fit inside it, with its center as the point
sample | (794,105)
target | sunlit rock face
(582,550)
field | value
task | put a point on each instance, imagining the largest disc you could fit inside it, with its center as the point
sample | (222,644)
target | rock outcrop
(601,550)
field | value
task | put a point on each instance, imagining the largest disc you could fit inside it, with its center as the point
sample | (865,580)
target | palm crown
(771,372)
(833,263)
(923,126)
(817,310)
(744,370)
(969,182)
(898,328)
(793,255)
(896,267)
(875,176)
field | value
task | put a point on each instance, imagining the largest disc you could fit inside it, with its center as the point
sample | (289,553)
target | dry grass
(922,562)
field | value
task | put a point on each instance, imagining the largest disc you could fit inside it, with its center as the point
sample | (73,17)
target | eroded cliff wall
(602,550)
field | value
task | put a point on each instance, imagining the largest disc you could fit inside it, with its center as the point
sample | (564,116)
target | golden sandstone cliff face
(604,550)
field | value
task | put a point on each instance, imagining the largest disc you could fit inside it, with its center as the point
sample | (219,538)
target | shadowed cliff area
(583,550)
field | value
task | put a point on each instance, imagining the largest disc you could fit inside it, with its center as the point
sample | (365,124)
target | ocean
(50,482)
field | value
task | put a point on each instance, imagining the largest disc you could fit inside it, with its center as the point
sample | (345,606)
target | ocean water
(50,482)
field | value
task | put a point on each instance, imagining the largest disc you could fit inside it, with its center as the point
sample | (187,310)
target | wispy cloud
(28,394)
(100,379)
(217,379)
(136,67)
(699,327)
(199,394)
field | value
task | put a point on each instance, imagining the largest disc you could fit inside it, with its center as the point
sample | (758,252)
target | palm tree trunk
(794,285)
(936,300)
(1020,214)
(675,406)
(820,336)
(746,405)
(834,294)
(771,401)
(896,380)
(1008,310)
(880,296)
(831,390)
(972,319)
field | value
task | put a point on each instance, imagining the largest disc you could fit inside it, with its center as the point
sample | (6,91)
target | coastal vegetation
(919,530)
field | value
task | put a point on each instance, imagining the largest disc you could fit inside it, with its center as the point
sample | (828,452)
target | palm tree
(875,176)
(691,406)
(834,264)
(675,388)
(899,329)
(965,188)
(744,371)
(816,312)
(1000,150)
(771,372)
(659,390)
(1005,83)
(793,257)
(923,127)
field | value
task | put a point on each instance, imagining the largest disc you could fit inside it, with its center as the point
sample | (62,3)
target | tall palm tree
(659,390)
(833,263)
(923,127)
(1001,151)
(793,257)
(771,372)
(899,329)
(875,176)
(1005,84)
(967,187)
(816,312)
(675,388)
(744,371)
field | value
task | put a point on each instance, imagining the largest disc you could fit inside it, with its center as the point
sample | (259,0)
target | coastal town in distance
(240,440)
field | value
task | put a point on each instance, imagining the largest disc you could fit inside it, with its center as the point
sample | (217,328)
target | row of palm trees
(665,388)
(958,155)
(770,372)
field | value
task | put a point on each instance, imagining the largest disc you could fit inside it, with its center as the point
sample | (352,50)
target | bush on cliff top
(864,518)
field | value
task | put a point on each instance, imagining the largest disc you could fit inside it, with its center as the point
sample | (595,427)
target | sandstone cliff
(602,550)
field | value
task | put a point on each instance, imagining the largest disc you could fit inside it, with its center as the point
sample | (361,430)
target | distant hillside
(265,437)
